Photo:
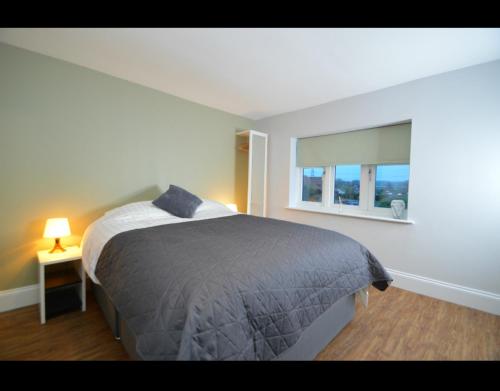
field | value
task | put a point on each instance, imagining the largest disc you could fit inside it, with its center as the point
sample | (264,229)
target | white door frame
(250,133)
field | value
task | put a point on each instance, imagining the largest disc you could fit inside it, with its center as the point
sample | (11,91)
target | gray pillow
(179,202)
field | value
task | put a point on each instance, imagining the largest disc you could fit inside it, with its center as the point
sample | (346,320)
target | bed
(223,285)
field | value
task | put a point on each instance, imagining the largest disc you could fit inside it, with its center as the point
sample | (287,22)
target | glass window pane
(312,184)
(391,183)
(346,190)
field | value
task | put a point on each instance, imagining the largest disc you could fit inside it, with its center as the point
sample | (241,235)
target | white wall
(454,181)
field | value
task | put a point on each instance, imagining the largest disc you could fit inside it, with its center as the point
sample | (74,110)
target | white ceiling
(258,73)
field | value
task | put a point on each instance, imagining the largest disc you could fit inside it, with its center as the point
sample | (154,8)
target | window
(312,184)
(346,184)
(357,172)
(357,188)
(391,183)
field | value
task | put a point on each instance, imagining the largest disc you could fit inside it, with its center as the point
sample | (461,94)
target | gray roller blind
(388,144)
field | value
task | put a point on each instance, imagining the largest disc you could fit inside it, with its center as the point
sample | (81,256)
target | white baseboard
(19,297)
(468,297)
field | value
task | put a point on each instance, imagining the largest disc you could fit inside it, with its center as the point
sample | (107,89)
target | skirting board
(458,294)
(19,297)
(469,297)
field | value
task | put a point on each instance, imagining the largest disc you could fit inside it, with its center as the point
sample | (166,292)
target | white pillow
(147,208)
(210,205)
(133,208)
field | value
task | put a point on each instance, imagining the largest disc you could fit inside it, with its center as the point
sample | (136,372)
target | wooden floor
(401,325)
(397,325)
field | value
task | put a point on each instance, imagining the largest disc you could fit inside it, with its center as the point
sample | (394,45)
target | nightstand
(62,287)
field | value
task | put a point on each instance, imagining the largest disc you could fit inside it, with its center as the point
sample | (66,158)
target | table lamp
(233,207)
(57,228)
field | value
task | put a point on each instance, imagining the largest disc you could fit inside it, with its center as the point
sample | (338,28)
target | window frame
(376,210)
(340,207)
(300,183)
(366,193)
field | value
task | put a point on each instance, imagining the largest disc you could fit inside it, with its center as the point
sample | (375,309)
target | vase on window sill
(398,208)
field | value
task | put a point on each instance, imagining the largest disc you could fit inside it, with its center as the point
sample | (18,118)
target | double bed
(223,285)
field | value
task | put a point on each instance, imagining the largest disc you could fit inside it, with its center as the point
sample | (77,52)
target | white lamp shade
(233,207)
(57,228)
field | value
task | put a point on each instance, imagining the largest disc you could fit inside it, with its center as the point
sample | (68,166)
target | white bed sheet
(133,216)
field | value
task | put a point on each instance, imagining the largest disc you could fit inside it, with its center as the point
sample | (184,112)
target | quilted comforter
(229,288)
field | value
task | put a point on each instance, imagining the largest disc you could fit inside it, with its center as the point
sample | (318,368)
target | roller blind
(388,144)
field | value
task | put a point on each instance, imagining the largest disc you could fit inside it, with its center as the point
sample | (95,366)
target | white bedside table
(55,283)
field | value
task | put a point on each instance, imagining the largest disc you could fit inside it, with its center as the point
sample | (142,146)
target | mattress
(312,341)
(236,287)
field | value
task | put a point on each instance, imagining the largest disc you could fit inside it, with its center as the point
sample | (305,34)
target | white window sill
(351,214)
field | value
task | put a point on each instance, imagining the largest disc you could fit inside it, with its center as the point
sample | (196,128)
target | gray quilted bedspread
(230,288)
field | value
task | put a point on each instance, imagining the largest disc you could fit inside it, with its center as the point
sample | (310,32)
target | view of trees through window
(312,184)
(391,183)
(346,190)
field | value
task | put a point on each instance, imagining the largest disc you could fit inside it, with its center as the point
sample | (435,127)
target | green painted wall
(75,142)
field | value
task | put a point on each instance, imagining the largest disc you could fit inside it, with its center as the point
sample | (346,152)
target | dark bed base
(108,309)
(311,342)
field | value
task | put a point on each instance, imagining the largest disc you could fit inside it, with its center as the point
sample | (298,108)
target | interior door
(257,167)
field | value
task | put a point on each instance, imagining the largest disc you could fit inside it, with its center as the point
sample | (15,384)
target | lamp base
(57,247)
